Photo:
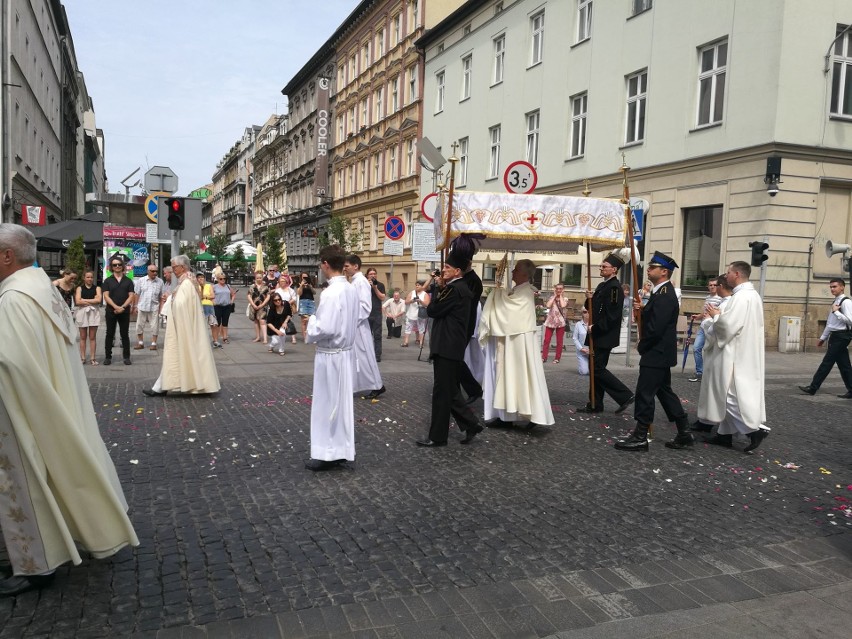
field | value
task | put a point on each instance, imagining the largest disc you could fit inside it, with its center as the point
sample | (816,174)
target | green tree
(190,250)
(272,246)
(216,246)
(75,258)
(340,233)
(238,259)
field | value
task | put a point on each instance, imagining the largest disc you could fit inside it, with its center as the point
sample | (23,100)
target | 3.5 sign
(520,177)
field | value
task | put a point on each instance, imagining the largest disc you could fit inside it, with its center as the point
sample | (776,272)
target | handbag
(291,328)
(422,312)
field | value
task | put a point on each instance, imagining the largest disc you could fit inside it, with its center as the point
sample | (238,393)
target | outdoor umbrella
(204,257)
(58,236)
(251,258)
(686,343)
(258,266)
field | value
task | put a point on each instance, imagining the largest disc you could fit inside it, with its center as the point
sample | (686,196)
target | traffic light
(758,252)
(177,216)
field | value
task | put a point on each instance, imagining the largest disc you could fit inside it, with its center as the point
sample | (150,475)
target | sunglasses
(116,265)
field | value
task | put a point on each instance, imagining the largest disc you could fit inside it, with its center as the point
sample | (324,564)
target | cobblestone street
(520,534)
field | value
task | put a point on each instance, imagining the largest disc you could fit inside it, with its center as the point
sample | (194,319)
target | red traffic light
(177,217)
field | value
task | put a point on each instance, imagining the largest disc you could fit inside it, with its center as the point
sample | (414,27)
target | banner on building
(323,117)
(33,215)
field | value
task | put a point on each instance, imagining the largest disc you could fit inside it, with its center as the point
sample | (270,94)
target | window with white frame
(360,234)
(412,84)
(365,56)
(584,20)
(341,75)
(713,64)
(536,38)
(579,105)
(392,163)
(341,130)
(494,152)
(394,97)
(416,5)
(640,5)
(351,179)
(467,71)
(365,112)
(439,92)
(340,182)
(374,232)
(533,121)
(380,43)
(464,145)
(637,90)
(396,29)
(379,101)
(362,175)
(352,120)
(377,169)
(352,69)
(499,59)
(409,157)
(841,75)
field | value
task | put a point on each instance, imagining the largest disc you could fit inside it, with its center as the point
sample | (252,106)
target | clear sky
(176,83)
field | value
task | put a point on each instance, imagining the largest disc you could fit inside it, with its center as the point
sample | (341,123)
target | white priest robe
(333,330)
(58,485)
(734,395)
(713,377)
(514,387)
(366,373)
(188,364)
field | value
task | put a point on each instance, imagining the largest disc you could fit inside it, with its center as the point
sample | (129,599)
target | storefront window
(702,245)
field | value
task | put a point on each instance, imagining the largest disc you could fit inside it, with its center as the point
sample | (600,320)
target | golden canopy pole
(588,304)
(625,199)
(453,160)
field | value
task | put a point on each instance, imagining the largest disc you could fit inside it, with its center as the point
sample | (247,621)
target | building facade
(231,190)
(269,167)
(697,98)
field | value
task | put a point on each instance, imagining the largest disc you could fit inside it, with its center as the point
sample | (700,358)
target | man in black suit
(607,306)
(658,350)
(449,308)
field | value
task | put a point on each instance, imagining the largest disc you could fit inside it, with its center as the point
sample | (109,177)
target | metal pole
(763,272)
(390,279)
(175,244)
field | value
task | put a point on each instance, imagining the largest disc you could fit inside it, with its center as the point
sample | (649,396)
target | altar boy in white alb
(333,328)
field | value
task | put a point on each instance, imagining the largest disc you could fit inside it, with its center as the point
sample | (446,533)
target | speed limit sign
(520,177)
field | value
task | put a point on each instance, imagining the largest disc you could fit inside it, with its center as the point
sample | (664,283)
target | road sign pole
(175,244)
(390,279)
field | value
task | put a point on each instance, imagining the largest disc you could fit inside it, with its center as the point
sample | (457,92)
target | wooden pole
(588,304)
(633,265)
(453,160)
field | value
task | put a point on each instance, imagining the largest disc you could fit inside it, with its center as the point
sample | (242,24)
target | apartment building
(231,193)
(698,97)
(269,166)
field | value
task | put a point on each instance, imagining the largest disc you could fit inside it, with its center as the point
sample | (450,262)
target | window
(537,38)
(498,8)
(466,29)
(441,48)
(494,152)
(713,62)
(352,73)
(392,163)
(467,70)
(412,84)
(365,112)
(533,120)
(409,157)
(499,59)
(380,103)
(365,56)
(362,175)
(341,130)
(637,88)
(377,169)
(464,144)
(439,93)
(640,5)
(841,79)
(579,104)
(351,180)
(396,29)
(584,20)
(394,95)
(351,120)
(380,43)
(374,232)
(702,241)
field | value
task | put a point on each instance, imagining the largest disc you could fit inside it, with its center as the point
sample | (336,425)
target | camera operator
(377,297)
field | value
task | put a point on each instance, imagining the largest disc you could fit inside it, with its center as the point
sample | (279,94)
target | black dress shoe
(624,406)
(632,443)
(150,392)
(499,423)
(756,438)
(127,361)
(108,361)
(701,427)
(428,443)
(810,390)
(588,409)
(530,426)
(375,393)
(470,433)
(846,395)
(720,440)
(681,441)
(318,465)
(11,586)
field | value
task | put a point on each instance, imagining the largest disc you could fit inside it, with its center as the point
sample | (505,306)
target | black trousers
(393,329)
(123,321)
(836,352)
(656,382)
(376,329)
(447,400)
(468,382)
(606,381)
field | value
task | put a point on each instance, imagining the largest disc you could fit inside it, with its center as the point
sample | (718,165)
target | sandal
(256,339)
(404,345)
(226,340)
(281,354)
(556,361)
(84,362)
(95,362)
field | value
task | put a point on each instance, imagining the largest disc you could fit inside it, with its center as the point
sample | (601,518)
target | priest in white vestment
(366,373)
(712,376)
(59,491)
(734,397)
(188,363)
(332,328)
(514,387)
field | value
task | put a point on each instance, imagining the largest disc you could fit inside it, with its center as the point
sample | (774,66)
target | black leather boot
(638,439)
(684,438)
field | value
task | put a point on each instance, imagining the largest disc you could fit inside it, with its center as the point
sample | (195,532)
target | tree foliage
(340,232)
(216,246)
(75,258)
(238,259)
(190,250)
(272,247)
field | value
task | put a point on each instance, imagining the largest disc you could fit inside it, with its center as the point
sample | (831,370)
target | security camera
(772,189)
